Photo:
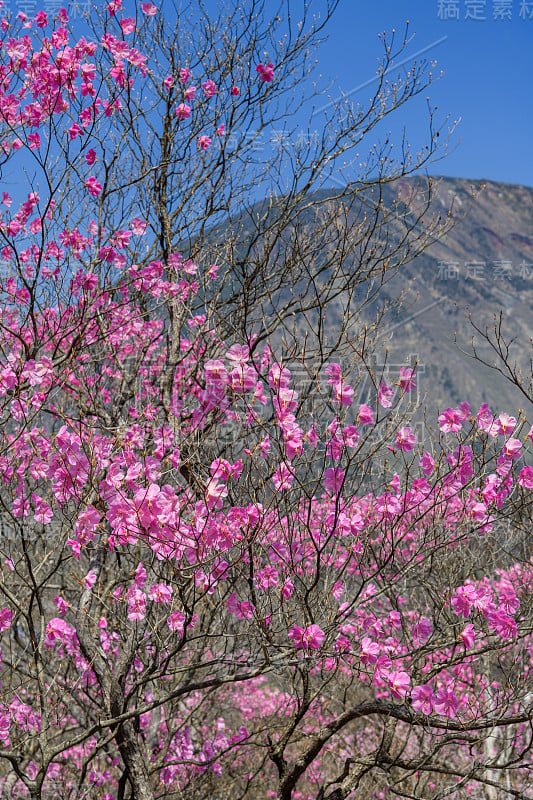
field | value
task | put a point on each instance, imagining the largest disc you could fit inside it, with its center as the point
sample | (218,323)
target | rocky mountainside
(484,265)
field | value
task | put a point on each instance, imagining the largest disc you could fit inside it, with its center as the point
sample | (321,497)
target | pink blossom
(446,703)
(62,605)
(369,651)
(366,415)
(507,424)
(215,493)
(312,436)
(405,439)
(485,419)
(422,630)
(333,371)
(399,684)
(127,24)
(502,623)
(238,354)
(288,589)
(406,379)
(43,512)
(423,699)
(427,464)
(138,226)
(74,131)
(140,576)
(310,638)
(183,111)
(94,188)
(235,91)
(90,579)
(267,578)
(136,600)
(478,512)
(57,630)
(204,142)
(450,420)
(6,616)
(337,590)
(149,9)
(468,636)
(176,622)
(209,88)
(160,593)
(463,599)
(333,480)
(282,478)
(278,377)
(41,19)
(512,448)
(344,393)
(385,395)
(525,477)
(382,668)
(266,72)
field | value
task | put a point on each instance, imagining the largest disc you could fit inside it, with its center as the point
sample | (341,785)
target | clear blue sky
(487,82)
(487,63)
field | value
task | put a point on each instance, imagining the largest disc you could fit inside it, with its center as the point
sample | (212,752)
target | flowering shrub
(216,581)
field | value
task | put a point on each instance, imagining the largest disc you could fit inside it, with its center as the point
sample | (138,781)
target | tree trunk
(134,761)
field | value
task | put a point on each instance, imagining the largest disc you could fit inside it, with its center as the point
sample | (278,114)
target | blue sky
(487,64)
(487,82)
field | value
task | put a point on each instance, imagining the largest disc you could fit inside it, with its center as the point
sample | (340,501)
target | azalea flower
(405,439)
(310,638)
(366,415)
(385,395)
(282,478)
(468,636)
(427,464)
(406,379)
(183,111)
(423,699)
(6,616)
(399,684)
(266,72)
(446,703)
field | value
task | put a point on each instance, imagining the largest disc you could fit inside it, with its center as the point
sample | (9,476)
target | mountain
(484,265)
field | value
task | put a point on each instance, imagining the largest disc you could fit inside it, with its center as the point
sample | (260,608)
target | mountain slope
(482,266)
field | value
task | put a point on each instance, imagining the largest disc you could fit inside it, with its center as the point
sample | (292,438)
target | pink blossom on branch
(204,142)
(366,415)
(93,186)
(266,72)
(398,682)
(310,638)
(406,379)
(6,616)
(385,395)
(183,111)
(446,703)
(405,439)
(423,699)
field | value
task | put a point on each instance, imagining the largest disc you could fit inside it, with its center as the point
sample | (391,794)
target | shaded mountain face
(484,265)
